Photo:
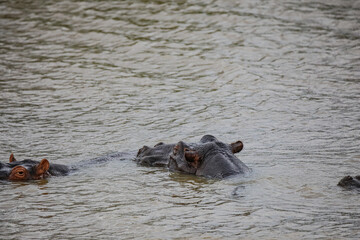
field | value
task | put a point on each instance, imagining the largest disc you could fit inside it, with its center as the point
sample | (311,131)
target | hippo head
(24,170)
(349,182)
(210,158)
(154,156)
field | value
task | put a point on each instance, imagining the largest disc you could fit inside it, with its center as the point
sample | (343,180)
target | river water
(83,79)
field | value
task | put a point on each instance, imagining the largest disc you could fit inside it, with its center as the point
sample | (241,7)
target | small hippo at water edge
(210,157)
(30,169)
(349,182)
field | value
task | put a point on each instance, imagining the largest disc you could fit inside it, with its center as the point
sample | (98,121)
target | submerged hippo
(30,169)
(349,182)
(209,158)
(34,170)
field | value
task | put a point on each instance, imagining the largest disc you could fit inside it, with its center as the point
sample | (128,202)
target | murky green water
(81,79)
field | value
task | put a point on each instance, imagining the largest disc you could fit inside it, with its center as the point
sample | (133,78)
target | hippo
(34,170)
(209,158)
(30,170)
(349,182)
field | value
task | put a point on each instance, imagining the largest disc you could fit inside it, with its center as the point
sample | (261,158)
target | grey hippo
(209,157)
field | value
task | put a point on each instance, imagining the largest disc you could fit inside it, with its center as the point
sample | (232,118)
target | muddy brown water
(82,79)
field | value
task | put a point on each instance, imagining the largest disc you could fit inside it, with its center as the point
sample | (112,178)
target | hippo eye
(19,173)
(158,144)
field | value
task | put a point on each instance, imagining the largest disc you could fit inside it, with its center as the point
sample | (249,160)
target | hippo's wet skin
(209,158)
(349,182)
(30,169)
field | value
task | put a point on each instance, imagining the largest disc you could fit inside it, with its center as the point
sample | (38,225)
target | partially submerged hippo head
(30,169)
(24,170)
(349,182)
(210,158)
(154,156)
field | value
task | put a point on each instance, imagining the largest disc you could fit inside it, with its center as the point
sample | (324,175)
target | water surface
(82,79)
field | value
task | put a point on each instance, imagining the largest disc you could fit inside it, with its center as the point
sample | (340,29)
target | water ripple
(81,79)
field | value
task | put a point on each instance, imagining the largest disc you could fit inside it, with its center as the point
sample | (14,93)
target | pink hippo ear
(12,158)
(42,167)
(237,146)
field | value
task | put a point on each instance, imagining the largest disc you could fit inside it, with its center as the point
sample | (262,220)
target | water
(82,79)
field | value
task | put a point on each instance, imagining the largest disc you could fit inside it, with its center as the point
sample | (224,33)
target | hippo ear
(12,158)
(42,167)
(237,146)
